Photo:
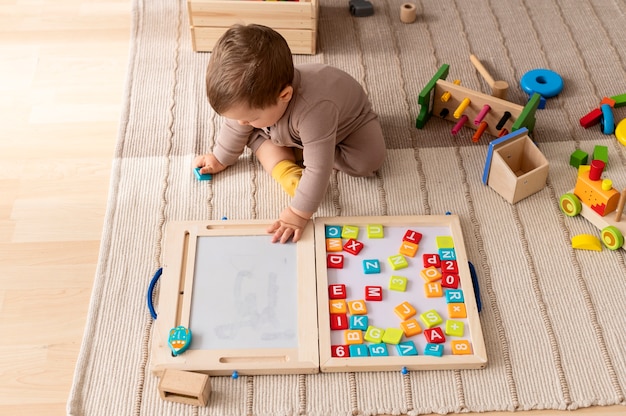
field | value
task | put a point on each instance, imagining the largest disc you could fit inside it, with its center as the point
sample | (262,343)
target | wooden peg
(499,89)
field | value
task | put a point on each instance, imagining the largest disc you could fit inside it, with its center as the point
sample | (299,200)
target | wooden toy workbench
(296,21)
(393,293)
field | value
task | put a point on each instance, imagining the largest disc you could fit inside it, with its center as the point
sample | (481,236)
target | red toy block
(449,266)
(592,118)
(338,321)
(412,236)
(450,281)
(374,293)
(435,335)
(340,351)
(334,261)
(431,260)
(353,246)
(337,291)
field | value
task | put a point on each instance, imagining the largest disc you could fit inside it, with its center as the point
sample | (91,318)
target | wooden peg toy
(459,125)
(479,131)
(482,114)
(499,89)
(461,108)
(445,97)
(505,117)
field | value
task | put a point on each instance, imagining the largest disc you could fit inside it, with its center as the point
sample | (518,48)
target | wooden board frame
(328,363)
(174,305)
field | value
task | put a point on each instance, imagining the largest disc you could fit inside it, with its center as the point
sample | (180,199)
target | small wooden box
(295,20)
(515,167)
(185,387)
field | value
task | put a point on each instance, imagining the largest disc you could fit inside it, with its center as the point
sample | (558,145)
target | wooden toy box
(515,167)
(295,20)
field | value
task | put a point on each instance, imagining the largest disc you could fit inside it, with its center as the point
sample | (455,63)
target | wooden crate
(296,21)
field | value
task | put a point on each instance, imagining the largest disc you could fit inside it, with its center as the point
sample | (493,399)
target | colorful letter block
(461,347)
(433,290)
(411,327)
(431,260)
(353,336)
(408,249)
(406,348)
(398,283)
(375,231)
(339,351)
(405,310)
(398,261)
(431,318)
(457,310)
(447,254)
(353,246)
(350,231)
(450,281)
(374,293)
(434,335)
(444,242)
(338,321)
(412,236)
(434,350)
(359,350)
(338,306)
(454,296)
(374,334)
(334,244)
(337,291)
(455,328)
(359,322)
(392,336)
(357,307)
(430,274)
(449,266)
(333,231)
(378,350)
(334,261)
(371,266)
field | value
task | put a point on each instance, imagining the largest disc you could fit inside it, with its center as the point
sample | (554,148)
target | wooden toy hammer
(499,89)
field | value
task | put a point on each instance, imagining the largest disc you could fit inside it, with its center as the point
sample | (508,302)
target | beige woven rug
(553,317)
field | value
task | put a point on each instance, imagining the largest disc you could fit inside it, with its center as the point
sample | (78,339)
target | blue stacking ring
(543,82)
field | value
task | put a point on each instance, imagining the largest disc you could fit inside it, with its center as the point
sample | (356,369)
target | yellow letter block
(461,347)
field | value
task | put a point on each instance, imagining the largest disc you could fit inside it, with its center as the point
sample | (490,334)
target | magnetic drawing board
(347,278)
(249,304)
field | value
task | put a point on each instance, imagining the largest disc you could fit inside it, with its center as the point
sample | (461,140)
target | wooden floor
(62,74)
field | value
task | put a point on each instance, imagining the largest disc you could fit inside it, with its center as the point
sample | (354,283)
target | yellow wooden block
(431,318)
(334,244)
(586,242)
(430,274)
(405,310)
(375,231)
(357,307)
(461,347)
(350,231)
(433,290)
(444,242)
(353,336)
(398,261)
(338,306)
(411,327)
(408,249)
(457,310)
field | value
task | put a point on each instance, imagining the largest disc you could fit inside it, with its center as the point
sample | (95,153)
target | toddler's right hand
(208,163)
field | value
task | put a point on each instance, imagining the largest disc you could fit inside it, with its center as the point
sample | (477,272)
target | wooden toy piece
(620,132)
(375,231)
(479,131)
(434,350)
(620,206)
(378,350)
(431,260)
(179,339)
(361,8)
(338,306)
(374,334)
(430,274)
(424,98)
(461,108)
(353,336)
(449,266)
(350,231)
(455,296)
(408,249)
(586,242)
(374,293)
(359,350)
(619,100)
(578,157)
(392,336)
(499,89)
(444,241)
(338,321)
(505,117)
(434,335)
(601,153)
(445,97)
(357,307)
(461,347)
(337,291)
(334,244)
(455,328)
(412,236)
(447,254)
(398,283)
(503,133)
(457,310)
(371,266)
(609,101)
(431,318)
(589,189)
(405,310)
(459,125)
(591,118)
(398,261)
(353,246)
(450,281)
(185,387)
(333,231)
(607,121)
(334,261)
(359,322)
(406,348)
(515,167)
(340,351)
(544,82)
(202,176)
(482,114)
(411,327)
(444,113)
(408,13)
(433,290)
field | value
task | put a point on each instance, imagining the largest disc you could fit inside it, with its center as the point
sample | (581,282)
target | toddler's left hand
(288,224)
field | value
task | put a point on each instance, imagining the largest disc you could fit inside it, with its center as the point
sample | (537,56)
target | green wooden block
(620,100)
(601,153)
(578,157)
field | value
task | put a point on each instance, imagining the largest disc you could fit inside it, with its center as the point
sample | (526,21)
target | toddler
(274,108)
